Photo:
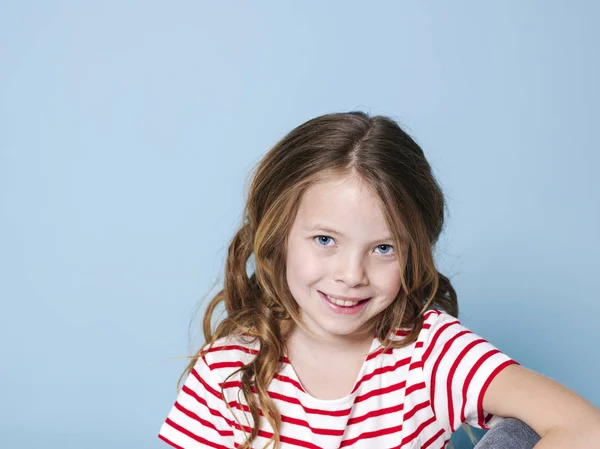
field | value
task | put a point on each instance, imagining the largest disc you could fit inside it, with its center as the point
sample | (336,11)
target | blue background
(128,129)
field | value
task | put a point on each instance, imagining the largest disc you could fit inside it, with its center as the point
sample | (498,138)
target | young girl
(344,334)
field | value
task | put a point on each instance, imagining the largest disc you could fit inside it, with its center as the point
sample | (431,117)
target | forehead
(345,203)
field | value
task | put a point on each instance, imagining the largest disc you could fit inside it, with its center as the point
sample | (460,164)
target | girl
(344,334)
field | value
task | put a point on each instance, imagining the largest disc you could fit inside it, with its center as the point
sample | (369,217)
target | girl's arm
(562,418)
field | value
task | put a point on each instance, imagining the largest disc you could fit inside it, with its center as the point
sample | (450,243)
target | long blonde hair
(260,306)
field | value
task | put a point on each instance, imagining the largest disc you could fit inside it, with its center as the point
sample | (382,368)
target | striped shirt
(407,398)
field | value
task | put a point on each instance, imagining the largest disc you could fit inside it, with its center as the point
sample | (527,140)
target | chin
(342,329)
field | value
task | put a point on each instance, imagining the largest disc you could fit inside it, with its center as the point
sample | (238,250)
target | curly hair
(259,304)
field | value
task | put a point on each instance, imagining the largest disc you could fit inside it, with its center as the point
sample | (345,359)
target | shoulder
(228,354)
(444,337)
(434,316)
(433,322)
(436,321)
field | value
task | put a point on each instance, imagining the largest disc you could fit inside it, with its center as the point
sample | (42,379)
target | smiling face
(339,251)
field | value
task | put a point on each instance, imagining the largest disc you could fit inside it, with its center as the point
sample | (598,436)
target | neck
(357,343)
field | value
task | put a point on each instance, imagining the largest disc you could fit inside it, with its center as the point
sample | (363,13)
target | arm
(562,418)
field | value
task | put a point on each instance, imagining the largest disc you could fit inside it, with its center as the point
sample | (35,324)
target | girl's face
(342,264)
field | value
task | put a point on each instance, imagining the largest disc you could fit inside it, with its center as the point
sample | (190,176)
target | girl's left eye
(386,249)
(323,240)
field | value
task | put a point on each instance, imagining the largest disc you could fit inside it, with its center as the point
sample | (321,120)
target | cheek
(307,271)
(387,279)
(302,265)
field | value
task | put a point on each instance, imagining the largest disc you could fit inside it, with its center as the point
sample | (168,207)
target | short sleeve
(199,418)
(459,366)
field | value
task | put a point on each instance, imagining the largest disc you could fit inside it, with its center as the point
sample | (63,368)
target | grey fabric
(510,433)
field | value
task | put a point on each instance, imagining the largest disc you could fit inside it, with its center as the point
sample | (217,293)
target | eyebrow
(329,230)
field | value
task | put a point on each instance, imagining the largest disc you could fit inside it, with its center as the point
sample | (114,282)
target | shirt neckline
(338,402)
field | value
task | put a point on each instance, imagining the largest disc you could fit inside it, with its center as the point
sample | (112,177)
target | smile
(344,304)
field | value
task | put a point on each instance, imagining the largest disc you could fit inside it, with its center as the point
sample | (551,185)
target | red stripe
(379,351)
(242,407)
(203,401)
(210,389)
(296,401)
(384,369)
(282,438)
(431,440)
(414,387)
(166,440)
(380,391)
(231,384)
(416,365)
(431,344)
(404,332)
(453,369)
(204,422)
(431,312)
(373,413)
(445,349)
(469,378)
(252,351)
(289,380)
(238,383)
(415,409)
(315,430)
(280,377)
(373,434)
(232,364)
(484,389)
(233,348)
(422,426)
(412,436)
(195,395)
(193,436)
(297,442)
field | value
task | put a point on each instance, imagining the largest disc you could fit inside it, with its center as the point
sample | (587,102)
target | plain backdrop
(128,130)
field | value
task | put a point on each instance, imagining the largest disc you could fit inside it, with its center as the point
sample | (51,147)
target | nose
(351,271)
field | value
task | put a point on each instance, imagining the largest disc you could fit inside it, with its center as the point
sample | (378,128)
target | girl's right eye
(323,240)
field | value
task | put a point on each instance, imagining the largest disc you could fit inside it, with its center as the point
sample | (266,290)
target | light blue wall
(127,129)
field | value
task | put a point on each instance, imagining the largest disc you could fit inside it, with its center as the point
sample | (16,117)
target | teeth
(342,302)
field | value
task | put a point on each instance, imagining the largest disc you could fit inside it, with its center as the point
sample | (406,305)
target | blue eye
(389,247)
(323,240)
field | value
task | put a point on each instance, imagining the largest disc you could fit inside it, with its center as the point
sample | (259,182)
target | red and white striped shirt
(408,398)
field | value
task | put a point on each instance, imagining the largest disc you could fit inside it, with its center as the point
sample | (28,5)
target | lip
(345,298)
(341,310)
